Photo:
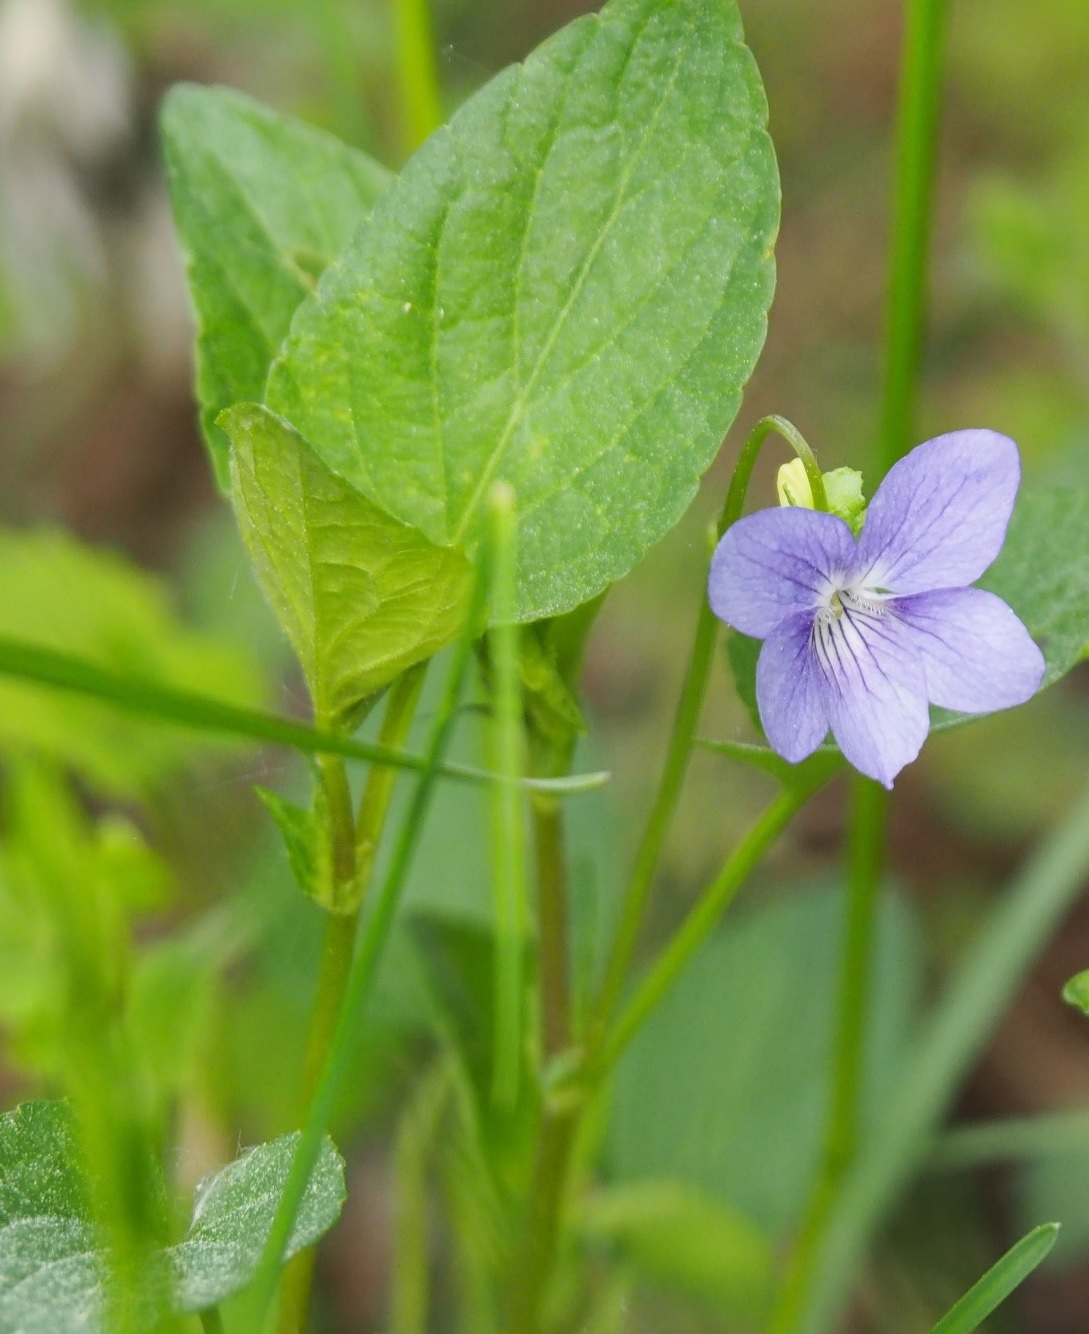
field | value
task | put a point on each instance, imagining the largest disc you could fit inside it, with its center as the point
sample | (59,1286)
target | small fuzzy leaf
(565,289)
(52,1271)
(361,596)
(262,205)
(233,1213)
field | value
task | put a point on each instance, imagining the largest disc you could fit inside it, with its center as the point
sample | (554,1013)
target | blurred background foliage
(140,880)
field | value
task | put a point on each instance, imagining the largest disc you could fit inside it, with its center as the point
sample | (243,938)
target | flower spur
(859,637)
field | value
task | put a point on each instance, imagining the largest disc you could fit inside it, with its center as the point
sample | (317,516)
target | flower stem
(868,812)
(418,82)
(701,920)
(918,115)
(917,134)
(685,721)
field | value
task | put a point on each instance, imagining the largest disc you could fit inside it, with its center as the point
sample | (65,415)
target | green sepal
(843,487)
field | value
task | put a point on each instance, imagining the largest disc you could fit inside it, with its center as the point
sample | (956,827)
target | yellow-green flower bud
(793,485)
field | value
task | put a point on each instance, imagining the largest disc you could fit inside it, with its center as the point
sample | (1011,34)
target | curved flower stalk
(859,636)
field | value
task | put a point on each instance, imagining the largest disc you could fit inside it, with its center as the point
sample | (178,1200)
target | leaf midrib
(518,407)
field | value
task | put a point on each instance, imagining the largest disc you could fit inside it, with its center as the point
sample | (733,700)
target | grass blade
(951,1041)
(998,1282)
(181,708)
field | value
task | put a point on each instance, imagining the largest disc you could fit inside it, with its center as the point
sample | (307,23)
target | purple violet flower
(860,636)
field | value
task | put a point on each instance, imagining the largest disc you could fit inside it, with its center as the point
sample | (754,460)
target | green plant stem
(685,721)
(182,708)
(868,812)
(551,862)
(533,1269)
(353,847)
(699,923)
(404,695)
(211,1322)
(917,135)
(507,756)
(739,483)
(417,76)
(534,1262)
(373,937)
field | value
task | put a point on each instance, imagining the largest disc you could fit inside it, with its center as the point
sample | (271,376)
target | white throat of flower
(841,618)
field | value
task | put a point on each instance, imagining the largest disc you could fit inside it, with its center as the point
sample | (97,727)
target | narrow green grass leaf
(61,671)
(565,289)
(950,1041)
(998,1282)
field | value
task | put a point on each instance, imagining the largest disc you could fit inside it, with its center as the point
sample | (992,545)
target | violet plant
(450,409)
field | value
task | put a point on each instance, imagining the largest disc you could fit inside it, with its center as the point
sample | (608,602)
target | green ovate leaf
(58,594)
(262,203)
(52,1268)
(361,596)
(565,289)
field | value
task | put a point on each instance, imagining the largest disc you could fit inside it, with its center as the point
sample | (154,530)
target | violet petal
(774,564)
(939,518)
(977,655)
(790,690)
(876,692)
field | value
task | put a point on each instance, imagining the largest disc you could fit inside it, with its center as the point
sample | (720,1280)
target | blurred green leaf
(51,1266)
(725,1088)
(361,596)
(998,1282)
(58,594)
(565,289)
(1076,992)
(677,1237)
(68,891)
(1043,573)
(262,203)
